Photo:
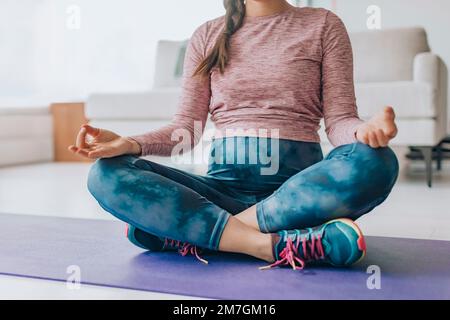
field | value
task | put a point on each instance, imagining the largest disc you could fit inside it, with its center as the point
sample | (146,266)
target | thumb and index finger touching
(81,142)
(92,131)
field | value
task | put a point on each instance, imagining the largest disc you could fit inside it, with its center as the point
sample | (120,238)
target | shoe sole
(132,237)
(360,241)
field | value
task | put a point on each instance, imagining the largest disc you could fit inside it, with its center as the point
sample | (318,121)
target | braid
(219,55)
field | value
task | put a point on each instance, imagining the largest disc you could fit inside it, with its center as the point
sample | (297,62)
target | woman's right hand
(96,143)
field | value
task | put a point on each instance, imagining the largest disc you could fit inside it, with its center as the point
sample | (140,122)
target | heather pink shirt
(286,72)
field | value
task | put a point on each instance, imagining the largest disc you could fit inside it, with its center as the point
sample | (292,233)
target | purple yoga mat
(43,247)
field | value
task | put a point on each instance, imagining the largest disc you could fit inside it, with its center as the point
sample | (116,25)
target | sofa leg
(439,158)
(427,153)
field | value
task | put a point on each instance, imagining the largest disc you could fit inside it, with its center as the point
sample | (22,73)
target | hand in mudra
(379,130)
(96,143)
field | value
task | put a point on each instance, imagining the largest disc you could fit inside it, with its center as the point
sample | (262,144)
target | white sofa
(134,113)
(26,135)
(396,67)
(392,67)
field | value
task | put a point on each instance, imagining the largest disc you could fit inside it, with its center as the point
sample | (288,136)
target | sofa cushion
(25,125)
(135,127)
(409,99)
(411,132)
(26,150)
(24,110)
(169,58)
(129,127)
(379,55)
(387,55)
(158,104)
(179,67)
(195,161)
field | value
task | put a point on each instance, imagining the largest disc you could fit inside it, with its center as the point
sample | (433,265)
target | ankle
(265,250)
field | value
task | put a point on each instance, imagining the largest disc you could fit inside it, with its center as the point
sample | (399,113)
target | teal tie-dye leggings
(290,182)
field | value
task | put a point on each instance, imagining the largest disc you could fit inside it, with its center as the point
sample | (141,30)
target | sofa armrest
(157,104)
(430,68)
(426,69)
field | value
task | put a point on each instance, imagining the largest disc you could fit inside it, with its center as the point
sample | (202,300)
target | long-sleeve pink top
(286,71)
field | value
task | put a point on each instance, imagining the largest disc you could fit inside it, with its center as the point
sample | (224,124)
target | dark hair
(218,57)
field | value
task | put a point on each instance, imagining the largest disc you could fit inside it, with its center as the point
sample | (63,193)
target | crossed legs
(349,182)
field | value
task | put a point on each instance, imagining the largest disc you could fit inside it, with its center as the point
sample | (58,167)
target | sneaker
(338,242)
(151,242)
(143,239)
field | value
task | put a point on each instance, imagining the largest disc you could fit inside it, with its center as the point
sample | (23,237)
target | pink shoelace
(312,250)
(184,248)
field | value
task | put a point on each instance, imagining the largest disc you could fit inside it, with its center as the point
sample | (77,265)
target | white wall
(16,46)
(433,15)
(43,58)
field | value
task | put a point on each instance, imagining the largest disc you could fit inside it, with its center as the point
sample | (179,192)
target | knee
(378,159)
(105,173)
(379,166)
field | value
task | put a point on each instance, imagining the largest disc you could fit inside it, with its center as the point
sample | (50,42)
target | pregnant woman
(267,73)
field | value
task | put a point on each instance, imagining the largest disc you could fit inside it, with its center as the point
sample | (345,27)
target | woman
(265,65)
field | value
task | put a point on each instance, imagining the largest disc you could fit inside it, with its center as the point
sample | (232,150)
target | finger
(365,138)
(72,148)
(389,112)
(95,155)
(82,152)
(81,138)
(391,132)
(382,139)
(362,136)
(373,141)
(91,130)
(99,153)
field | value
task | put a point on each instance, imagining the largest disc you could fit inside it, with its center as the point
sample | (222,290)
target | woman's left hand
(378,131)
